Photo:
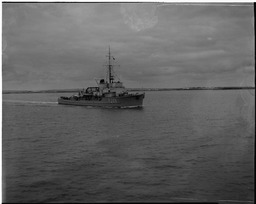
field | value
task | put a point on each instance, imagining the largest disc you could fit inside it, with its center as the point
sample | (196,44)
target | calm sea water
(182,146)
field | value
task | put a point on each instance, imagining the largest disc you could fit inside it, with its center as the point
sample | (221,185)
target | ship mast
(110,77)
(109,66)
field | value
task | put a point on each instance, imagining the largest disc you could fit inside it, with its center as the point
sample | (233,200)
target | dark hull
(129,101)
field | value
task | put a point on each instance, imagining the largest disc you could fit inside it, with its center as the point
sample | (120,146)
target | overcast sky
(64,45)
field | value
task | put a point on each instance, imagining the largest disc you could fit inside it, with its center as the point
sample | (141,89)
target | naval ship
(107,93)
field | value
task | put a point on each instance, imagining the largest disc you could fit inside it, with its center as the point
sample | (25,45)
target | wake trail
(29,102)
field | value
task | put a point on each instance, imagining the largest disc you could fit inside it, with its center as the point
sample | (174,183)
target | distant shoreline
(129,89)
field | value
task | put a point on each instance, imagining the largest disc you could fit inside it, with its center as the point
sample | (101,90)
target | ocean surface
(181,146)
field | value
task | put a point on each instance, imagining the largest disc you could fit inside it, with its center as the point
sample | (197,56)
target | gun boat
(108,93)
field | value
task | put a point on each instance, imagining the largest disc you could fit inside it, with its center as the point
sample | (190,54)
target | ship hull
(130,101)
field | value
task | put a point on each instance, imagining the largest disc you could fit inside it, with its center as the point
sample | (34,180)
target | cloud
(139,16)
(170,45)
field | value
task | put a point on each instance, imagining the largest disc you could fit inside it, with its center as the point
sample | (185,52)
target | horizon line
(144,88)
